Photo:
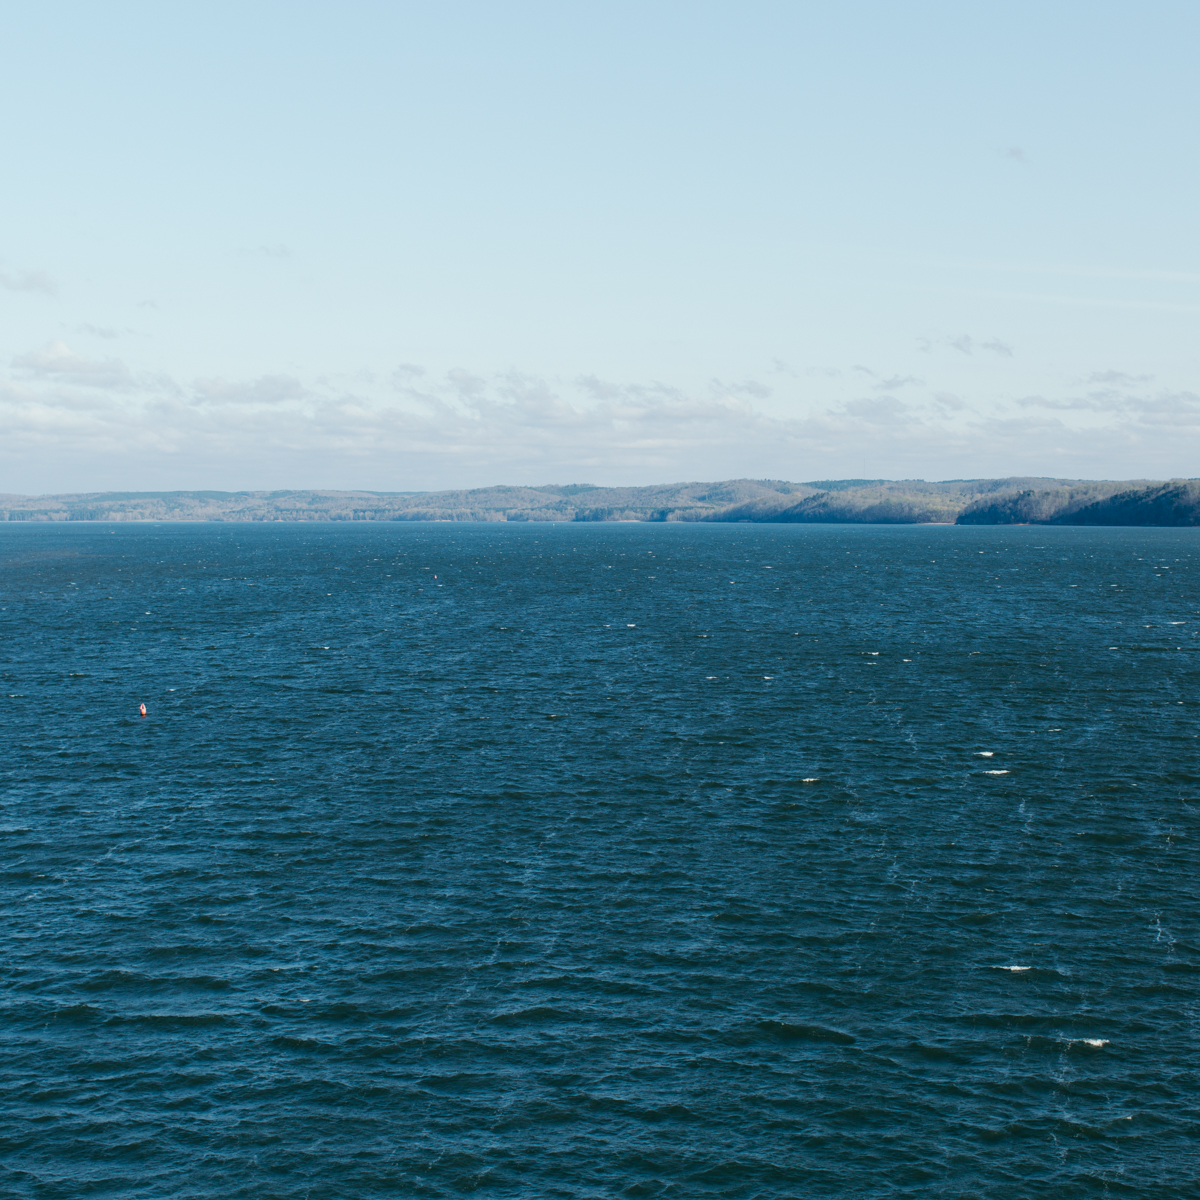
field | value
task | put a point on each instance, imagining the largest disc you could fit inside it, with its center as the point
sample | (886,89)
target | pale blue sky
(402,246)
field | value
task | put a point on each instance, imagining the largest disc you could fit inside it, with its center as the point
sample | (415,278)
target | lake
(598,860)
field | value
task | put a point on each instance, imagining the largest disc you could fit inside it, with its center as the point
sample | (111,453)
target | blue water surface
(598,861)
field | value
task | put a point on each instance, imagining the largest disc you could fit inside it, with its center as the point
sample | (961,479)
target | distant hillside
(1174,503)
(1094,503)
(873,502)
(1011,501)
(573,502)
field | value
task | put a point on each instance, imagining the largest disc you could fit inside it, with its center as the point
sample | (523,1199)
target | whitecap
(812,779)
(985,753)
(997,968)
(1094,1041)
(995,772)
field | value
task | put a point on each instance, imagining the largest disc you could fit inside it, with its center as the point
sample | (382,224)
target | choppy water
(598,861)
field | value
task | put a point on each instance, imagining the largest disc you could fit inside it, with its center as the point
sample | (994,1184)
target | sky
(410,246)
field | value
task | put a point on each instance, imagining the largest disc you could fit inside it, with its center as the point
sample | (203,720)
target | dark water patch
(170,1021)
(790,1031)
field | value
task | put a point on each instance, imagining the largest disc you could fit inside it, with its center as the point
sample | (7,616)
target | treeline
(1174,503)
(572,502)
(1010,501)
(874,502)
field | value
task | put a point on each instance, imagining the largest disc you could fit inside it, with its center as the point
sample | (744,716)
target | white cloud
(1177,411)
(28,281)
(599,389)
(964,343)
(883,410)
(895,382)
(32,401)
(266,390)
(748,387)
(1116,377)
(58,361)
(466,384)
(1093,403)
(424,430)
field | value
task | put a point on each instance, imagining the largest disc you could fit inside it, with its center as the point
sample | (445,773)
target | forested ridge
(1009,501)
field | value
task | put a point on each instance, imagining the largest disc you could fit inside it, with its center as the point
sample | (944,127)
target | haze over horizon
(402,248)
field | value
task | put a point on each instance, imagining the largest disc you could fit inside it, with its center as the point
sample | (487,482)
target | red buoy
(142,709)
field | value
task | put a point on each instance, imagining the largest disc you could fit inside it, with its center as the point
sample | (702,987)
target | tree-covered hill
(1091,503)
(1009,501)
(572,502)
(1174,503)
(873,502)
